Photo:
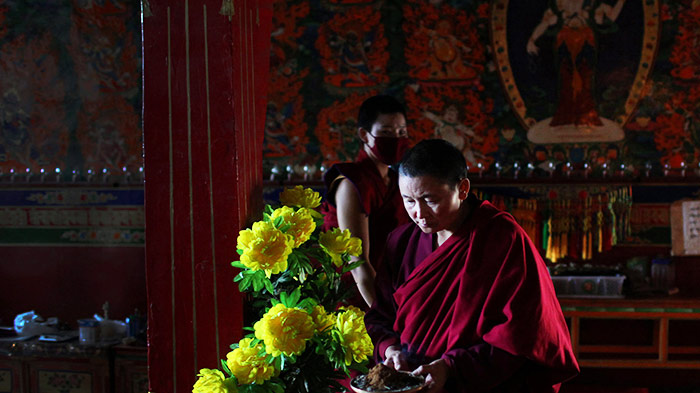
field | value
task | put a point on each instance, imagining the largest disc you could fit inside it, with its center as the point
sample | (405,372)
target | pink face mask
(389,150)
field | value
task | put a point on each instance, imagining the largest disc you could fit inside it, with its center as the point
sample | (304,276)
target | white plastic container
(88,330)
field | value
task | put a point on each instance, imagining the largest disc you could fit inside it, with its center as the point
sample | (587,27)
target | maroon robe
(380,202)
(483,301)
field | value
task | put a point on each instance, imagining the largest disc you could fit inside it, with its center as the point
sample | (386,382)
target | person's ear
(362,134)
(464,187)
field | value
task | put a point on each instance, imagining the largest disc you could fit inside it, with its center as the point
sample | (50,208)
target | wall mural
(70,86)
(551,82)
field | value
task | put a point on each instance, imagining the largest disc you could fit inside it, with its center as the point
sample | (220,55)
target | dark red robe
(483,301)
(381,203)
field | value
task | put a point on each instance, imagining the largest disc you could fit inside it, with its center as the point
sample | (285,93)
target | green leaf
(302,276)
(295,296)
(259,389)
(283,298)
(353,265)
(247,388)
(257,283)
(277,362)
(268,286)
(278,222)
(239,264)
(307,303)
(245,283)
(275,387)
(225,367)
(306,266)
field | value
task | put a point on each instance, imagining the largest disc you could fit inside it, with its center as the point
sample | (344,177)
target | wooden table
(657,353)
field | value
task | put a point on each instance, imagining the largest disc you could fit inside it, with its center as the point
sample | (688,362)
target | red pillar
(205,83)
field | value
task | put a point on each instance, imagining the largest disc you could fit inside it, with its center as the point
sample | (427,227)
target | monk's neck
(382,168)
(442,236)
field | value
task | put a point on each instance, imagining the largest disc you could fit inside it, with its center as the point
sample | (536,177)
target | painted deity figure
(575,51)
(351,51)
(449,128)
(448,55)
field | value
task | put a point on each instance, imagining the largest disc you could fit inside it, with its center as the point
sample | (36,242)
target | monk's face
(431,203)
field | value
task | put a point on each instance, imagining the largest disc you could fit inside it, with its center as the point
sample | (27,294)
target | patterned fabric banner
(76,216)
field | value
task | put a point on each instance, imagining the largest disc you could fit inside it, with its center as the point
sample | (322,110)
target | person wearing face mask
(363,196)
(463,296)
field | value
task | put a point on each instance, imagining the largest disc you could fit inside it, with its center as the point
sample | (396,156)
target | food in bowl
(386,379)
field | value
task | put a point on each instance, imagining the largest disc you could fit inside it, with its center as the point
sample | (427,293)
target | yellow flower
(301,223)
(337,243)
(300,196)
(247,365)
(353,335)
(264,248)
(213,381)
(322,319)
(285,330)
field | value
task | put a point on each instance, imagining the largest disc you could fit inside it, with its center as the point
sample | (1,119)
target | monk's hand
(436,373)
(395,358)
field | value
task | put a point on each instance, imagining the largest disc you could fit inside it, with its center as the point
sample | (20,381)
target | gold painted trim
(650,45)
(211,183)
(500,47)
(239,149)
(172,206)
(189,174)
(256,168)
(249,97)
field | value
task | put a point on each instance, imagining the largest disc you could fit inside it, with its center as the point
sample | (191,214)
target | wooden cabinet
(130,369)
(11,376)
(37,367)
(66,375)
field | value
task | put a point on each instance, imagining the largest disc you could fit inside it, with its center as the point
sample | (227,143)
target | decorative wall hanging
(464,71)
(574,69)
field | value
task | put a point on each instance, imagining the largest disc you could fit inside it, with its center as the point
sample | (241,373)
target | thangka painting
(596,82)
(70,86)
(574,69)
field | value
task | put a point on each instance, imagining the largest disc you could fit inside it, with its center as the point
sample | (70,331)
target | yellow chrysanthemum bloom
(321,318)
(300,196)
(354,338)
(285,330)
(247,365)
(213,381)
(337,243)
(301,223)
(264,248)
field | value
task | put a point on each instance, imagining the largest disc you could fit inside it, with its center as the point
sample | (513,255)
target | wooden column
(205,83)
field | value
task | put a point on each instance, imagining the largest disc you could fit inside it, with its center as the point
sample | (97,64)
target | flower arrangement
(306,338)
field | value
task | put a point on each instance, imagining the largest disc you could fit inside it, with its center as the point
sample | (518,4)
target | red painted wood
(71,282)
(205,79)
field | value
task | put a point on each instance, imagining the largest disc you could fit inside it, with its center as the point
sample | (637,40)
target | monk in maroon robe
(464,297)
(363,196)
(380,202)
